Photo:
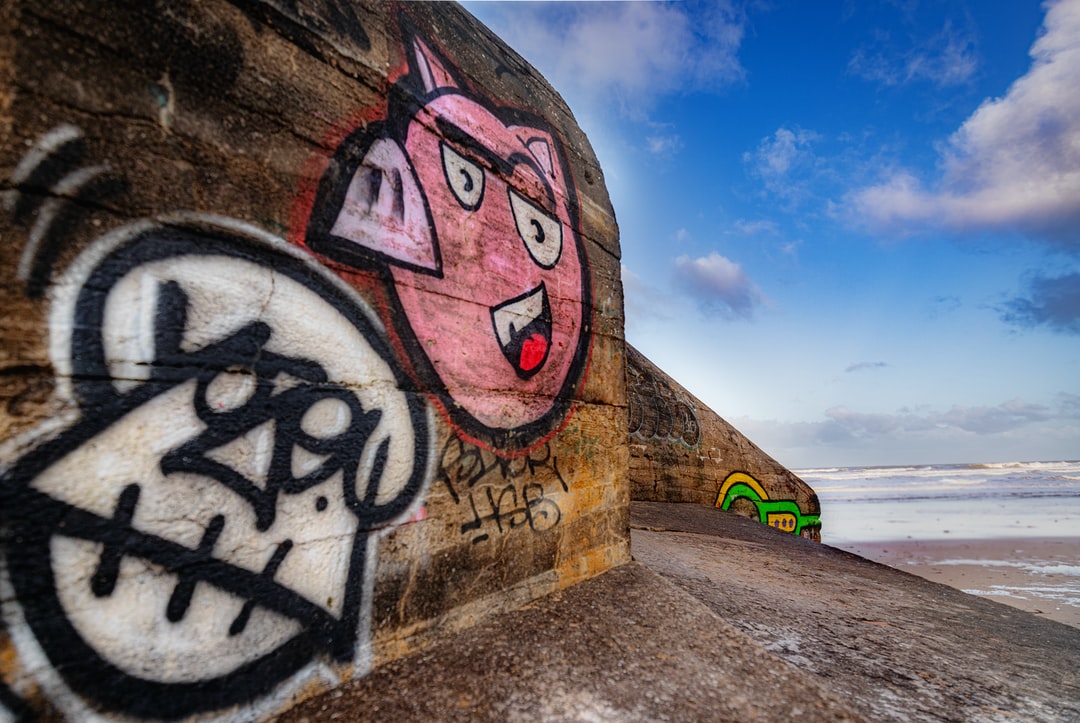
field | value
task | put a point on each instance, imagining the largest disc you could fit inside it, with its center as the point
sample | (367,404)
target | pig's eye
(465,178)
(541,232)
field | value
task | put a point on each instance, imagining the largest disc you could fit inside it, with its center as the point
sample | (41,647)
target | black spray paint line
(511,498)
(656,411)
(46,188)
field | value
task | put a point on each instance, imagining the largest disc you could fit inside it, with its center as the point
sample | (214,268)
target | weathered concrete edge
(681,450)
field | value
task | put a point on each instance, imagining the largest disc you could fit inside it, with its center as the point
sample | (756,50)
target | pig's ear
(384,214)
(433,72)
(540,148)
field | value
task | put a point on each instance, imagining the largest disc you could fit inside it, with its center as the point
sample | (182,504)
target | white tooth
(518,315)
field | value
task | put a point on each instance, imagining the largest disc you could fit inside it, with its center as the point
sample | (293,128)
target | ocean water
(948,501)
(1016,527)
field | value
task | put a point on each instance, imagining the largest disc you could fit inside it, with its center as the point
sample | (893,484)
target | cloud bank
(1014,164)
(1015,413)
(1015,430)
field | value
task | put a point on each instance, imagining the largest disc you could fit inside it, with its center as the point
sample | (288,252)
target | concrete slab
(724,619)
(625,646)
(892,645)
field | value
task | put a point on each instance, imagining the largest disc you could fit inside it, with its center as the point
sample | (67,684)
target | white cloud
(790,249)
(630,53)
(1013,164)
(785,162)
(719,285)
(664,145)
(946,59)
(775,156)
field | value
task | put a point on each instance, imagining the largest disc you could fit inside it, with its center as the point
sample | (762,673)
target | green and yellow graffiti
(782,514)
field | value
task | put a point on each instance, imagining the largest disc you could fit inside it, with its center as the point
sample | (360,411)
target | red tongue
(532,351)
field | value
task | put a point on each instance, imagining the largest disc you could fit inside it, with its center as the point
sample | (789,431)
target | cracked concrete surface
(724,619)
(624,646)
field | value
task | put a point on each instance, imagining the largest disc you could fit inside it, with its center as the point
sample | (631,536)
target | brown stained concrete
(216,121)
(894,646)
(724,619)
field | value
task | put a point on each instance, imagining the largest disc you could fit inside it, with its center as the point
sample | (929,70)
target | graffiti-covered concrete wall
(311,348)
(682,451)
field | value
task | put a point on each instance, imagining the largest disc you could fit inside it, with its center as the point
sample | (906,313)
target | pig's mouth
(523,328)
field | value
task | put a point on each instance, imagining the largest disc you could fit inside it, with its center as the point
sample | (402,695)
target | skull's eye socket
(541,232)
(465,178)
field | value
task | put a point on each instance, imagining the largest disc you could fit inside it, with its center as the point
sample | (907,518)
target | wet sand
(1040,575)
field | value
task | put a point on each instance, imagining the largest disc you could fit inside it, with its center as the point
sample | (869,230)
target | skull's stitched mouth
(523,328)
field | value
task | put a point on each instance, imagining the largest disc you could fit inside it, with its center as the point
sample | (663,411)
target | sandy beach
(1040,575)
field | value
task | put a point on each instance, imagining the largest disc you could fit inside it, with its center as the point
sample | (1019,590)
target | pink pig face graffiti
(471,209)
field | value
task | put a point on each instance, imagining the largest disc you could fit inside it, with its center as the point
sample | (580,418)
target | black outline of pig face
(502,190)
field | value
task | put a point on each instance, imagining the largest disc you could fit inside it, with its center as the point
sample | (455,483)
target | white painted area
(128,627)
(224,294)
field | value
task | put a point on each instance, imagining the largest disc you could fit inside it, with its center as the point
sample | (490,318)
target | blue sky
(852,228)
